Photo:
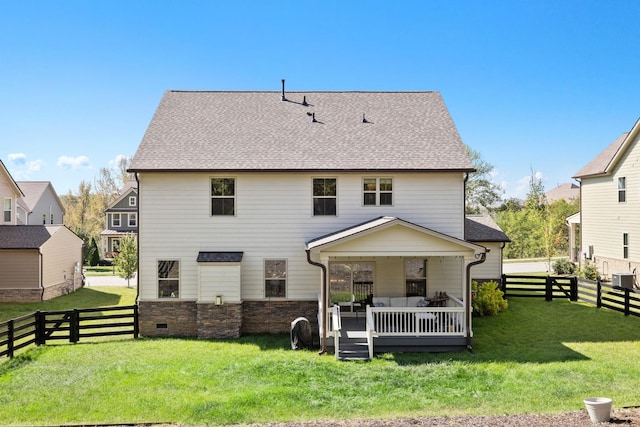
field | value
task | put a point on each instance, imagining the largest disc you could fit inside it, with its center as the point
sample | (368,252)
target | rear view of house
(255,208)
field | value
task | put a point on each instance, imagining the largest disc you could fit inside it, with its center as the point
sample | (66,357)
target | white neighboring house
(40,204)
(610,207)
(256,208)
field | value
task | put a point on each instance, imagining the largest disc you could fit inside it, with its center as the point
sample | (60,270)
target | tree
(481,192)
(93,255)
(127,258)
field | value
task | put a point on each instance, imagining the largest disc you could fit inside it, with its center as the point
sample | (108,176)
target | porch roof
(391,236)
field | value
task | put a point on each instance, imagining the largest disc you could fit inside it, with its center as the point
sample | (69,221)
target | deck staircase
(353,346)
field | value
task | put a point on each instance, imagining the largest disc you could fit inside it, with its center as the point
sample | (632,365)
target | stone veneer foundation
(35,294)
(206,321)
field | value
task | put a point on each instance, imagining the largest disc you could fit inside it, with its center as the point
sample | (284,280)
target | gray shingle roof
(599,164)
(258,131)
(26,236)
(220,256)
(482,228)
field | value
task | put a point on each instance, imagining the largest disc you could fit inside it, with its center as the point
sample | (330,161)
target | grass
(99,270)
(536,357)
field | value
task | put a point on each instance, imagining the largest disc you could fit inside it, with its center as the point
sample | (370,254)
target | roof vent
(364,119)
(304,101)
(313,117)
(283,97)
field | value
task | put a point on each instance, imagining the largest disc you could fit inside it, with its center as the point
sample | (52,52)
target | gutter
(138,240)
(468,307)
(323,298)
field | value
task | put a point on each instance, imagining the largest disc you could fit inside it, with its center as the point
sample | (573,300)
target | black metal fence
(624,300)
(72,325)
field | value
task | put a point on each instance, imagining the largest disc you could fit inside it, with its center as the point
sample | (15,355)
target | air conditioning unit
(622,280)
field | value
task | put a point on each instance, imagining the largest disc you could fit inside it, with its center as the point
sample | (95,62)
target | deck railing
(336,328)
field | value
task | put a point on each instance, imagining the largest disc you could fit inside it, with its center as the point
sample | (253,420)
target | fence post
(627,310)
(599,293)
(136,326)
(574,288)
(548,289)
(74,326)
(10,338)
(40,325)
(503,285)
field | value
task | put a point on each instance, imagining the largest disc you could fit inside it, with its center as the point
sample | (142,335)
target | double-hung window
(622,189)
(377,191)
(115,220)
(324,196)
(133,220)
(168,279)
(275,278)
(625,245)
(223,196)
(132,201)
(7,210)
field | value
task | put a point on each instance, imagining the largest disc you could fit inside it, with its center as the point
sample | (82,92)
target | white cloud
(523,184)
(18,159)
(116,161)
(79,162)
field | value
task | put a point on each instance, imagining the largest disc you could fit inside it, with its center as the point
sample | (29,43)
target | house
(256,208)
(610,207)
(37,262)
(121,218)
(11,195)
(566,192)
(483,230)
(40,204)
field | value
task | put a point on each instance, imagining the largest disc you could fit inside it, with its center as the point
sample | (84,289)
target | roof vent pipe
(304,100)
(283,97)
(313,118)
(364,120)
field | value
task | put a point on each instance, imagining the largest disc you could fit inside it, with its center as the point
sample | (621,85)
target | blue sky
(538,86)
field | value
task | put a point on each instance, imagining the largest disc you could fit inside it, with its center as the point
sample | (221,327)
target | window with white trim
(622,189)
(133,220)
(132,201)
(168,279)
(377,191)
(324,196)
(7,206)
(275,278)
(625,245)
(415,273)
(115,220)
(223,196)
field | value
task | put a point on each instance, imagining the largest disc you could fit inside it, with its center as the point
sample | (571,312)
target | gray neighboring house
(38,262)
(40,204)
(121,218)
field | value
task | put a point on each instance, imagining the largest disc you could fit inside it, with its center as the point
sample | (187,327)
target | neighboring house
(121,220)
(566,192)
(38,262)
(610,206)
(40,204)
(483,230)
(10,194)
(256,208)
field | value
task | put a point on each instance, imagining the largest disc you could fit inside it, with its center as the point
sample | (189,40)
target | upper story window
(7,206)
(115,220)
(44,219)
(324,196)
(132,200)
(625,245)
(168,279)
(377,191)
(622,189)
(223,196)
(133,220)
(275,278)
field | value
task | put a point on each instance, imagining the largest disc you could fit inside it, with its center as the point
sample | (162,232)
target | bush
(564,266)
(589,271)
(488,300)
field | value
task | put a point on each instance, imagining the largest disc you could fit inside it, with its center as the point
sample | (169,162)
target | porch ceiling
(389,236)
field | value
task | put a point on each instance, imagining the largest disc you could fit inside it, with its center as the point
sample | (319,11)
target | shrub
(589,271)
(488,299)
(564,266)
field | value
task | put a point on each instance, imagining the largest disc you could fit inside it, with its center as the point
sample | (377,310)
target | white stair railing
(336,327)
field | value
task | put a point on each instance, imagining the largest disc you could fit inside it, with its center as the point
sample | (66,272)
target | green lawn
(535,357)
(99,270)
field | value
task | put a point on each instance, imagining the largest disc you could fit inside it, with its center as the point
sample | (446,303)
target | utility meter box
(622,280)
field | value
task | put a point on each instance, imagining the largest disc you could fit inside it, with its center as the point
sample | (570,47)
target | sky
(536,87)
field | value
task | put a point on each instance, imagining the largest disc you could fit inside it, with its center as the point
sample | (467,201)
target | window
(7,210)
(324,196)
(115,245)
(51,218)
(169,279)
(223,196)
(132,200)
(133,220)
(44,219)
(625,245)
(115,220)
(415,272)
(622,189)
(275,278)
(377,191)
(350,282)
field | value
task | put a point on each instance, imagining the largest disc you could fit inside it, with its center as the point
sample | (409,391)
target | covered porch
(390,286)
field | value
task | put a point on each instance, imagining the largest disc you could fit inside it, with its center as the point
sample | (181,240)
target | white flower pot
(599,408)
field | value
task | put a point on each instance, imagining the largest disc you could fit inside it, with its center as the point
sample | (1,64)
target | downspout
(483,257)
(323,298)
(41,274)
(138,239)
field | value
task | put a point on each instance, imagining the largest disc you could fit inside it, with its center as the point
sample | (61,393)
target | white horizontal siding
(491,268)
(273,219)
(219,279)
